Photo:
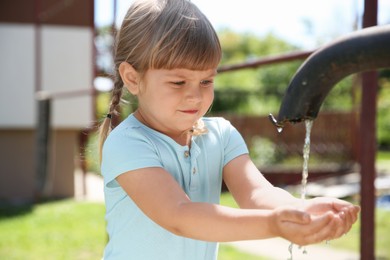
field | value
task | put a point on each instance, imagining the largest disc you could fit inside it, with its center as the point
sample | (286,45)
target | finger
(349,215)
(355,211)
(352,215)
(342,223)
(346,217)
(319,229)
(339,205)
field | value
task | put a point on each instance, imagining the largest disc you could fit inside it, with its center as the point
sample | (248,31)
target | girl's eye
(206,83)
(179,83)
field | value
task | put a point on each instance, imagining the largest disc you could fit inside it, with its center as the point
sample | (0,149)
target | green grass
(383,161)
(227,252)
(382,235)
(54,230)
(383,156)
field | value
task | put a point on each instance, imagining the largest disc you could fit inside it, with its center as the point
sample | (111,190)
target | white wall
(17,61)
(67,65)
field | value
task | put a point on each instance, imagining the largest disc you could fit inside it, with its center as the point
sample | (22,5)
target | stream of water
(305,175)
(306,154)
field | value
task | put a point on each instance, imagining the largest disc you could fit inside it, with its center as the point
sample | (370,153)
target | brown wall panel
(56,12)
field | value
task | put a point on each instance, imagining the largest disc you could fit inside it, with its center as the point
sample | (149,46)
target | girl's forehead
(184,73)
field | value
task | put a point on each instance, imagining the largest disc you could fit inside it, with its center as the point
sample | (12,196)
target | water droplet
(290,250)
(303,248)
(273,120)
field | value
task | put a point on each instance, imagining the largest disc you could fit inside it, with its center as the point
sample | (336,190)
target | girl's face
(172,101)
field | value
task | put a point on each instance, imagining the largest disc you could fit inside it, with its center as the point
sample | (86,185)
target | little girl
(163,165)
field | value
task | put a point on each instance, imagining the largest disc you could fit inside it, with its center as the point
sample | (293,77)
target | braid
(106,126)
(116,96)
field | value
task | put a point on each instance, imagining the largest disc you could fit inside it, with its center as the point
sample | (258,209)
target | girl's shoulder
(219,124)
(129,130)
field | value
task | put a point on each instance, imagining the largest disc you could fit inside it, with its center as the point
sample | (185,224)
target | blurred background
(55,82)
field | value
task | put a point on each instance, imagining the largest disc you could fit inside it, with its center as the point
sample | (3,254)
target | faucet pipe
(363,50)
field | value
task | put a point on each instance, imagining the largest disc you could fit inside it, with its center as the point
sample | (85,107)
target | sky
(305,23)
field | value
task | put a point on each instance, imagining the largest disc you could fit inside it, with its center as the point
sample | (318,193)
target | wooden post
(42,143)
(368,147)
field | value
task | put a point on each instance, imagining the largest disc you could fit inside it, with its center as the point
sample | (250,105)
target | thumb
(296,216)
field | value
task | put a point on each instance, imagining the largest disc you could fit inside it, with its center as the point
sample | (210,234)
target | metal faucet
(363,50)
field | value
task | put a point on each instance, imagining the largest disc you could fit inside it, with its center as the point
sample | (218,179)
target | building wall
(45,46)
(18,163)
(17,76)
(66,65)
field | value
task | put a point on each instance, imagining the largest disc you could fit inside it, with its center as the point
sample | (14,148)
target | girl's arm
(159,196)
(249,187)
(251,190)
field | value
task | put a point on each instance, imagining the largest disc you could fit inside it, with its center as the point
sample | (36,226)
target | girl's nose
(194,94)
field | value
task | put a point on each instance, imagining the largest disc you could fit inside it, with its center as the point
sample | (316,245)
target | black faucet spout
(362,50)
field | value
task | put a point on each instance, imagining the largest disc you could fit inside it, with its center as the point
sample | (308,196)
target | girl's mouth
(190,111)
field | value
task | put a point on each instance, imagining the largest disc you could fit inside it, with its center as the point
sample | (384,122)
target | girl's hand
(302,228)
(344,213)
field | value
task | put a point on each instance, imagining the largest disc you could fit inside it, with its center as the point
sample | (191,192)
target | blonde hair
(162,34)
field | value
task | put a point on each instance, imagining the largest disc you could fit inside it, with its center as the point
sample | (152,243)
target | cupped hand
(302,228)
(319,219)
(344,214)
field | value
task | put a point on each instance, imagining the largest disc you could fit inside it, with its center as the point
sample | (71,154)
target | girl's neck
(183,138)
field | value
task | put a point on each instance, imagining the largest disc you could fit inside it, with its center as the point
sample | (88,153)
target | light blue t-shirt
(132,145)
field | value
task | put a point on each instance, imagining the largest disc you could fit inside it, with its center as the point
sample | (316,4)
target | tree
(252,91)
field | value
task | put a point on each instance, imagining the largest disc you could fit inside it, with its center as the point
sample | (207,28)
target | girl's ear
(130,77)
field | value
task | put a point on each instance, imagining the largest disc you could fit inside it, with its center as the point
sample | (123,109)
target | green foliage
(246,90)
(231,100)
(238,47)
(92,153)
(383,120)
(383,156)
(263,151)
(127,105)
(340,98)
(275,78)
(240,80)
(102,102)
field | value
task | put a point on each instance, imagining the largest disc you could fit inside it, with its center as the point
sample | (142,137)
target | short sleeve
(126,150)
(233,144)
